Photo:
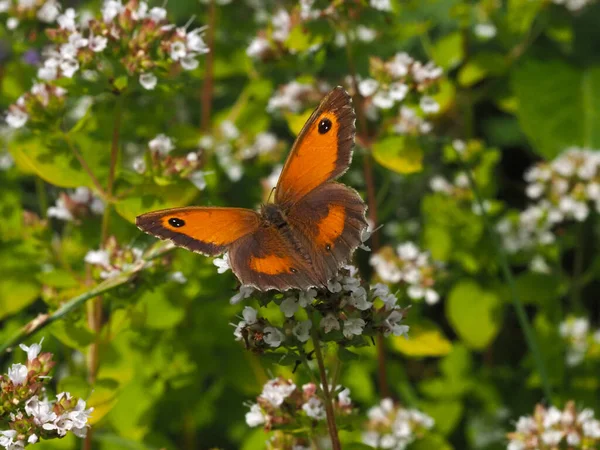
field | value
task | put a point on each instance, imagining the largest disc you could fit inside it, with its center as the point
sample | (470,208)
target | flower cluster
(231,148)
(123,41)
(282,402)
(393,427)
(111,260)
(45,11)
(411,268)
(347,311)
(295,96)
(26,411)
(580,340)
(573,5)
(73,206)
(550,428)
(392,83)
(159,163)
(565,189)
(43,99)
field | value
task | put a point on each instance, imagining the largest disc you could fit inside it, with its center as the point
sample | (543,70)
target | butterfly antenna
(270,194)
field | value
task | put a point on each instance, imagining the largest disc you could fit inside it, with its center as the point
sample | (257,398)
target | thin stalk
(509,278)
(43,320)
(207,87)
(331,425)
(40,190)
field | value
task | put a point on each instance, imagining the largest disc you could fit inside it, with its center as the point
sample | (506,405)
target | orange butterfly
(311,229)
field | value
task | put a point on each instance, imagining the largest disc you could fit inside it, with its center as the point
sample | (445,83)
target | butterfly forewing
(322,151)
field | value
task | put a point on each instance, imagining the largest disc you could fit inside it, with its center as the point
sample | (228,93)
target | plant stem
(43,320)
(331,425)
(509,278)
(207,87)
(40,189)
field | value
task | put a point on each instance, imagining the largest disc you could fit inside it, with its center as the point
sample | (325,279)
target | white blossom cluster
(579,338)
(138,37)
(231,148)
(72,206)
(349,310)
(282,403)
(392,82)
(295,96)
(565,189)
(410,268)
(112,259)
(164,165)
(550,428)
(46,11)
(31,415)
(393,427)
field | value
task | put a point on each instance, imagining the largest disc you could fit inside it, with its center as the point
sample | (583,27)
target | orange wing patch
(271,265)
(331,226)
(207,230)
(322,151)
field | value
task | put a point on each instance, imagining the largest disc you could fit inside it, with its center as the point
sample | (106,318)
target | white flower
(198,178)
(485,30)
(289,306)
(189,62)
(358,299)
(98,43)
(229,130)
(353,327)
(178,50)
(178,277)
(255,417)
(111,9)
(344,397)
(16,118)
(281,23)
(275,391)
(158,14)
(162,144)
(194,41)
(383,100)
(334,286)
(66,21)
(97,257)
(222,263)
(48,12)
(381,5)
(32,439)
(17,374)
(258,46)
(429,105)
(33,350)
(329,323)
(365,34)
(7,438)
(12,23)
(314,408)
(431,297)
(368,87)
(552,437)
(69,66)
(5,5)
(302,330)
(273,337)
(148,80)
(245,292)
(250,315)
(393,325)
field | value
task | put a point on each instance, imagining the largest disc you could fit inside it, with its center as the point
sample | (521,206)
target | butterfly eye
(175,222)
(293,270)
(324,126)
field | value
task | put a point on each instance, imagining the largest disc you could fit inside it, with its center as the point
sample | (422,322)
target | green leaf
(446,414)
(160,312)
(448,52)
(558,105)
(429,442)
(402,154)
(121,82)
(16,293)
(474,313)
(424,339)
(481,66)
(538,288)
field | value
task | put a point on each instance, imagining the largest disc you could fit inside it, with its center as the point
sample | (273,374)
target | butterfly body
(308,232)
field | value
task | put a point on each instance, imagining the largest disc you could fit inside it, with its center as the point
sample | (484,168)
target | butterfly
(310,230)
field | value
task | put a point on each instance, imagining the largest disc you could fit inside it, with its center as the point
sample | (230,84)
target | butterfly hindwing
(265,259)
(322,151)
(329,221)
(206,230)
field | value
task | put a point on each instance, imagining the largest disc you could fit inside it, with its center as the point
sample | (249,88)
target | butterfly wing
(322,151)
(206,230)
(266,260)
(329,222)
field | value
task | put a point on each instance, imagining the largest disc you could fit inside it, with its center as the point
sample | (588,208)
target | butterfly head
(273,215)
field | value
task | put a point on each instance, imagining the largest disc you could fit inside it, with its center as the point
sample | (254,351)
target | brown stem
(371,200)
(207,87)
(331,425)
